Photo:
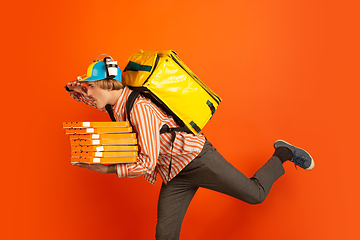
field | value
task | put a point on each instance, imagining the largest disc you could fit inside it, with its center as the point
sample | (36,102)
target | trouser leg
(210,170)
(174,200)
(215,173)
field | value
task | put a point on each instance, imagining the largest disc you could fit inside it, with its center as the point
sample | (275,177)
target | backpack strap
(110,112)
(130,103)
(165,128)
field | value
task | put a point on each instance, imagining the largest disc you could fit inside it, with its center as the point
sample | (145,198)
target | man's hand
(76,86)
(97,167)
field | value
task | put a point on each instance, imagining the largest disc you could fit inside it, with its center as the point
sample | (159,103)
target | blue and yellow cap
(97,71)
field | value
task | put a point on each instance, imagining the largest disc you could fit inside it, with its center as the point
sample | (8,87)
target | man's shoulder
(143,102)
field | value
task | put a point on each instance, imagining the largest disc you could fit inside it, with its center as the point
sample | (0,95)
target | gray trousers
(210,170)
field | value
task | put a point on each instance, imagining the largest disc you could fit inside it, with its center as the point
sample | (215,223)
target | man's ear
(112,85)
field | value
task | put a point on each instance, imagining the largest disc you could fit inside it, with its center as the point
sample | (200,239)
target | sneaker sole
(312,165)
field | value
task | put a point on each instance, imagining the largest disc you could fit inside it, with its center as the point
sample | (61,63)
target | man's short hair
(106,84)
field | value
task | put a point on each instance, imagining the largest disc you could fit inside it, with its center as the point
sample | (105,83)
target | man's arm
(146,125)
(78,91)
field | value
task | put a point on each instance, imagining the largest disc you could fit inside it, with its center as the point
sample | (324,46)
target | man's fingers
(77,86)
(94,167)
(86,165)
(72,84)
(83,165)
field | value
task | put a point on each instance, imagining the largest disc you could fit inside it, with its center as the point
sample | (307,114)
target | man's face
(100,95)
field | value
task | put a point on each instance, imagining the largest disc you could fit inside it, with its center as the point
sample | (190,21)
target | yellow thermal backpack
(169,83)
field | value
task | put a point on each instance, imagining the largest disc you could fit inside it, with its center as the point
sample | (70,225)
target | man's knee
(254,200)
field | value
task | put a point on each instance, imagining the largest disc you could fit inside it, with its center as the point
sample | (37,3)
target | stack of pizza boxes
(101,142)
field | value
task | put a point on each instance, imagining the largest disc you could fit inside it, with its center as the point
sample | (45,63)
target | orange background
(285,69)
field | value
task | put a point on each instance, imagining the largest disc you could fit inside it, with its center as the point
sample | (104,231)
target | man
(194,161)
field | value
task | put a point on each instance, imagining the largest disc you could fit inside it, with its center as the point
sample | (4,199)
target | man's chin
(99,106)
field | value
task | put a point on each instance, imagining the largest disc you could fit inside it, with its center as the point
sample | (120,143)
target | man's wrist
(111,169)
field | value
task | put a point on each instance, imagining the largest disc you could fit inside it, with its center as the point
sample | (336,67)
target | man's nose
(89,92)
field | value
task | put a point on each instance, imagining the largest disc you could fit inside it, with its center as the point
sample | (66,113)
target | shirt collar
(121,101)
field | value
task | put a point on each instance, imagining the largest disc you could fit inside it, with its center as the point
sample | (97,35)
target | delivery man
(194,161)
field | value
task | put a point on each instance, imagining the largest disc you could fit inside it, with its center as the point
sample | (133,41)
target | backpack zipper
(153,69)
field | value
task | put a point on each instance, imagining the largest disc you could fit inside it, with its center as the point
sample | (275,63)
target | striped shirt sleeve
(147,127)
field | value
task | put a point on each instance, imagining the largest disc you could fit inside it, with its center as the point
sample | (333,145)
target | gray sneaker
(301,157)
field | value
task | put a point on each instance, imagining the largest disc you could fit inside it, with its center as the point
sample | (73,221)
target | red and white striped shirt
(154,148)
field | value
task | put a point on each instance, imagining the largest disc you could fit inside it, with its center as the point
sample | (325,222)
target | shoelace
(298,160)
